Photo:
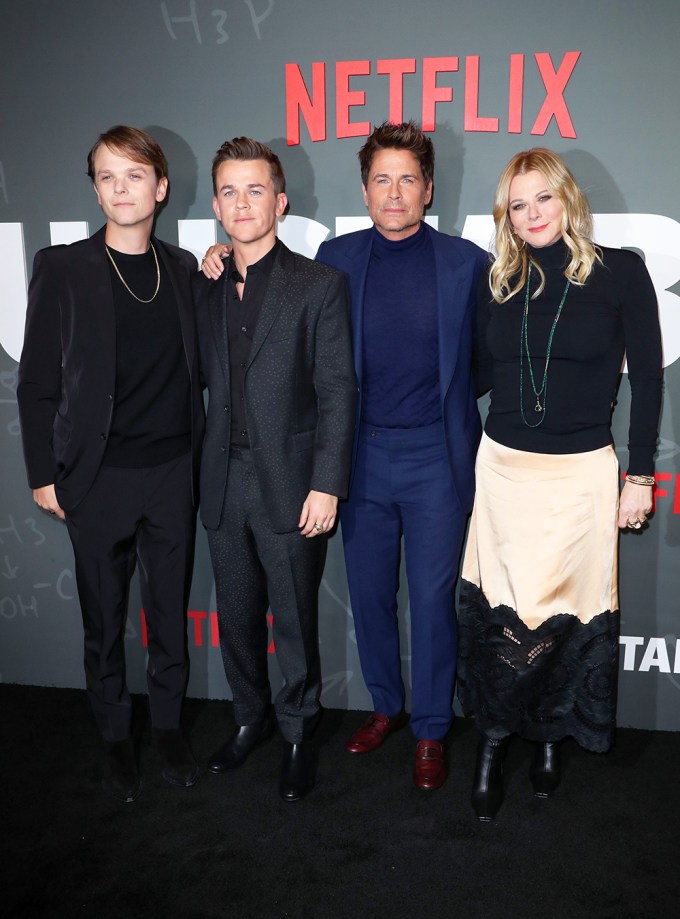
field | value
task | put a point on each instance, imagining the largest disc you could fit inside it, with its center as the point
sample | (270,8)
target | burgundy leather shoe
(374,731)
(429,771)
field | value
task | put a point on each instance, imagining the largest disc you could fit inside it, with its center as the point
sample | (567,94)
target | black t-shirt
(152,410)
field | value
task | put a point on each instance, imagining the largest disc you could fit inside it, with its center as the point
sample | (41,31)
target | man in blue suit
(412,290)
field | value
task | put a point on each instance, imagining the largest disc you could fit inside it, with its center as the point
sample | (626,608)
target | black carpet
(364,845)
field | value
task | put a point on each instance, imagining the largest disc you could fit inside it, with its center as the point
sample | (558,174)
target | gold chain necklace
(122,279)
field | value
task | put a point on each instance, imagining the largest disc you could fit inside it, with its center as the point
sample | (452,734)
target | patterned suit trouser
(256,568)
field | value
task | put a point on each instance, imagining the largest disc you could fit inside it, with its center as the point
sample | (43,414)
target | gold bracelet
(640,479)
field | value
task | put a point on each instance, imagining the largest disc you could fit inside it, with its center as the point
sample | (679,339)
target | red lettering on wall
(270,622)
(661,492)
(298,101)
(196,616)
(473,122)
(555,84)
(396,69)
(516,94)
(312,106)
(432,94)
(345,98)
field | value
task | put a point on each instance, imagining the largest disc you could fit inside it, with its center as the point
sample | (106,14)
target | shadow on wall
(183,171)
(603,193)
(449,151)
(300,178)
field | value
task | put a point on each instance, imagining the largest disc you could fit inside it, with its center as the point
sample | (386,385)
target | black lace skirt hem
(559,680)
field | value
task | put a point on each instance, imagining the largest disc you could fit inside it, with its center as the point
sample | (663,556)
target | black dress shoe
(545,773)
(179,764)
(121,778)
(240,745)
(297,771)
(487,790)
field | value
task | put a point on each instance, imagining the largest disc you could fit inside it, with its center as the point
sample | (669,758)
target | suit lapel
(93,277)
(454,277)
(217,309)
(358,258)
(181,289)
(282,276)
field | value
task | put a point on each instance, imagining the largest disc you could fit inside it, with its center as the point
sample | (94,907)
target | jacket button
(103,436)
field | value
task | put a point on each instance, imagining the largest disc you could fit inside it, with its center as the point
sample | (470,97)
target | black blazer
(67,371)
(300,389)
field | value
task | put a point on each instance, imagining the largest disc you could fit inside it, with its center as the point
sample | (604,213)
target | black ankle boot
(121,778)
(545,771)
(487,790)
(179,764)
(297,770)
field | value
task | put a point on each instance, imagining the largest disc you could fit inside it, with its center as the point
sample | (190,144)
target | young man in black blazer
(276,357)
(112,421)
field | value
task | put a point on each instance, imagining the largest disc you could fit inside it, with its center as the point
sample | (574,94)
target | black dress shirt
(242,317)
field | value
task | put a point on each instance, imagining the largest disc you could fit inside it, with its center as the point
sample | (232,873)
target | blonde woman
(539,621)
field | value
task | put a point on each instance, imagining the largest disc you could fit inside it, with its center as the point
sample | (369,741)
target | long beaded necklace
(122,279)
(539,407)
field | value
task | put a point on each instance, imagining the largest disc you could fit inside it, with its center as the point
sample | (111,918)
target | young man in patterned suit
(276,356)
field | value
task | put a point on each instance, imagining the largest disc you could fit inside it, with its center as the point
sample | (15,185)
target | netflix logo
(308,101)
(204,630)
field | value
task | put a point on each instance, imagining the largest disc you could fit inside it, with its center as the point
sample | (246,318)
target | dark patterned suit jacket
(300,389)
(67,371)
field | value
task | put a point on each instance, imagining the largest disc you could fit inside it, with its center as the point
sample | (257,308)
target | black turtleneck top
(613,314)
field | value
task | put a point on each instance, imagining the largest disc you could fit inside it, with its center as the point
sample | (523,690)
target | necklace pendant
(538,407)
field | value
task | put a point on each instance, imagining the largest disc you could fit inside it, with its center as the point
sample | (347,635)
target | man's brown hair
(405,136)
(245,148)
(133,143)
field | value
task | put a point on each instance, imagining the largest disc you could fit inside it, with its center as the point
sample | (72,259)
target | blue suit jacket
(458,266)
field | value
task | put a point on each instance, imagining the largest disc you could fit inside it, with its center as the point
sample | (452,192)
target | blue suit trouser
(402,486)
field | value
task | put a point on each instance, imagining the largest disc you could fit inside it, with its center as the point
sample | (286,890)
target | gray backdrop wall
(596,81)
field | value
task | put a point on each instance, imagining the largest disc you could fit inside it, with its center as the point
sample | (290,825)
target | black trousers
(129,515)
(254,568)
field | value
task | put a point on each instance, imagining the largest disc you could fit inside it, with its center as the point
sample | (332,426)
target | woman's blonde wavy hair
(509,272)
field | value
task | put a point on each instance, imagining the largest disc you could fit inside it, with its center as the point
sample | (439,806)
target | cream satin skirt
(538,612)
(543,535)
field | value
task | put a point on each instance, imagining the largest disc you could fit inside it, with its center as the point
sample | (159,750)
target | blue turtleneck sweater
(400,376)
(614,313)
